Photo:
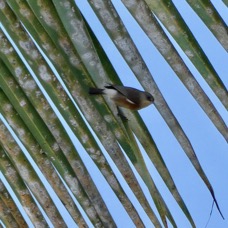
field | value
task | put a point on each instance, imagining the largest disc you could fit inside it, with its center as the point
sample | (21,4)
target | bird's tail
(96,91)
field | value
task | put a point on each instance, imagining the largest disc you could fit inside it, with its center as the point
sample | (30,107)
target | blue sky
(209,145)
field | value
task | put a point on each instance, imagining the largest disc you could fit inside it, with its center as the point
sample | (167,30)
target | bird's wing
(124,90)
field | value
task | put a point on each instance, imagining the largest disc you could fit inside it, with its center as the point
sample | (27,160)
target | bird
(126,97)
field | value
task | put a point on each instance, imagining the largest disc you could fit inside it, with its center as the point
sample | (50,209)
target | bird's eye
(150,98)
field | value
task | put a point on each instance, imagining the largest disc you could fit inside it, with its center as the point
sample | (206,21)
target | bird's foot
(121,115)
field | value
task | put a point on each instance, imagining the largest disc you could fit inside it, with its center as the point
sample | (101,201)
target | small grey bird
(124,96)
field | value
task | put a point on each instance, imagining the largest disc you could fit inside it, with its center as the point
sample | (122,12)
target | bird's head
(146,99)
(149,97)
